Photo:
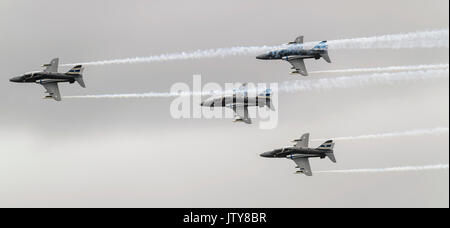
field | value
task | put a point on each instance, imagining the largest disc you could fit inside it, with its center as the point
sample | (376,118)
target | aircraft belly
(43,81)
(58,76)
(305,56)
(293,156)
(241,102)
(245,104)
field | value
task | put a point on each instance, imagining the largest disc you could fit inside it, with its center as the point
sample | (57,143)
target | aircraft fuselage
(43,77)
(294,152)
(225,101)
(296,52)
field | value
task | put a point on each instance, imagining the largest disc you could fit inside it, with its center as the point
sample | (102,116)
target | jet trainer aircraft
(239,102)
(300,153)
(295,54)
(49,78)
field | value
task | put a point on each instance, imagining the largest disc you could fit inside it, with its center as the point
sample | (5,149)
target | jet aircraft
(300,153)
(295,54)
(239,102)
(49,78)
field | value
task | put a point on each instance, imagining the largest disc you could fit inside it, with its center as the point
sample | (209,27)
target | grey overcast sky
(132,153)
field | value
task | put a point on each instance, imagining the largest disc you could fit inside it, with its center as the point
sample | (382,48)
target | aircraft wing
(298,40)
(52,90)
(242,113)
(303,142)
(303,165)
(52,67)
(299,65)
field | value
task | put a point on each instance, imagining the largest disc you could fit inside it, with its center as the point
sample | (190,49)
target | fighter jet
(300,153)
(49,78)
(239,102)
(295,54)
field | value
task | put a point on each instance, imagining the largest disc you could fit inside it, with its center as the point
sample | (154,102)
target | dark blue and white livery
(49,78)
(300,153)
(239,101)
(295,55)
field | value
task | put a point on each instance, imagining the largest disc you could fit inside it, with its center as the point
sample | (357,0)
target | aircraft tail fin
(328,145)
(266,92)
(323,46)
(77,71)
(264,99)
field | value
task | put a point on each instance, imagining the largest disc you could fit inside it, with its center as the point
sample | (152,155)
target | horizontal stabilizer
(331,157)
(326,57)
(80,81)
(270,105)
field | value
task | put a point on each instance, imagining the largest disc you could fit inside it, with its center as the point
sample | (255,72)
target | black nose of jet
(266,154)
(263,56)
(15,79)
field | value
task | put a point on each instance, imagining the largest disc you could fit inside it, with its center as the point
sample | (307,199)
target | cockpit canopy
(30,73)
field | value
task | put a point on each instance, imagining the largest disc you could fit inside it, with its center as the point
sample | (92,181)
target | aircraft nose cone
(263,56)
(266,155)
(15,79)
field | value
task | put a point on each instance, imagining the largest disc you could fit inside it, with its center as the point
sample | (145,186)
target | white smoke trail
(427,39)
(306,84)
(137,95)
(199,54)
(393,169)
(151,95)
(360,80)
(424,39)
(386,69)
(432,131)
(131,95)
